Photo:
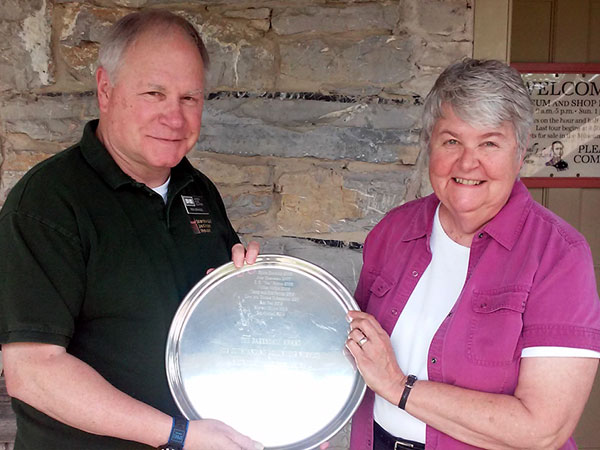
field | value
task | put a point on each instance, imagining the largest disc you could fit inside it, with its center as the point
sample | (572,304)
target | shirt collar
(422,222)
(505,227)
(98,157)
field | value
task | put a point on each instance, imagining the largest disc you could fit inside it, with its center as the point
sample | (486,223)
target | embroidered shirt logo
(199,214)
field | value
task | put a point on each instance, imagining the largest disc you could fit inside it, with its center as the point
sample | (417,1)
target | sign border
(559,182)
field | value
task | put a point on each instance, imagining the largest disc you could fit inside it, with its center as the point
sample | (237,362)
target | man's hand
(208,434)
(239,254)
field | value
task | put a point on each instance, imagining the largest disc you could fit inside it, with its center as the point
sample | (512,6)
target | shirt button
(394,311)
(433,360)
(415,273)
(480,235)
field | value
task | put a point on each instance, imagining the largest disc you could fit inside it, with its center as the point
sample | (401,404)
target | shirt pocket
(378,291)
(496,325)
(380,287)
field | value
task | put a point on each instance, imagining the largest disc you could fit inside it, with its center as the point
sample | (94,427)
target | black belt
(385,441)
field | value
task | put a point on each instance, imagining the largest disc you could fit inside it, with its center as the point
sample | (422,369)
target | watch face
(262,348)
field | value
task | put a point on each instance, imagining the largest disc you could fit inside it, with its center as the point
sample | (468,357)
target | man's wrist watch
(177,437)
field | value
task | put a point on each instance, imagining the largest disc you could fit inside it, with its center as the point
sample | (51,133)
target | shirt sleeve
(563,309)
(558,352)
(42,282)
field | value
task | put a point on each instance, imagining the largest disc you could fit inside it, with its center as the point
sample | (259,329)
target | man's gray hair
(130,27)
(482,93)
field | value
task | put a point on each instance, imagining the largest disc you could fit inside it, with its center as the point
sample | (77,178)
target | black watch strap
(177,437)
(410,381)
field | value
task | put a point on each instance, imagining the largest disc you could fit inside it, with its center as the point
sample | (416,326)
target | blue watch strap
(178,433)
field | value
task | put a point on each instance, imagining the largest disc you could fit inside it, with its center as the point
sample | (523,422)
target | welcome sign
(565,140)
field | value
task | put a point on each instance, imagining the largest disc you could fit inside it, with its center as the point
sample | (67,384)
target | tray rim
(211,280)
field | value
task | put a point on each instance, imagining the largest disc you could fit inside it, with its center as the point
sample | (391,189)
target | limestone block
(82,30)
(7,182)
(300,128)
(23,161)
(241,58)
(247,204)
(314,201)
(25,61)
(113,3)
(54,118)
(441,54)
(335,19)
(249,13)
(258,18)
(376,193)
(451,18)
(334,64)
(18,10)
(422,83)
(341,441)
(232,173)
(342,261)
(249,209)
(241,66)
(20,142)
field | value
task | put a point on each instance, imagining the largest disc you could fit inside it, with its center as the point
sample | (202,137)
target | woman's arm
(543,412)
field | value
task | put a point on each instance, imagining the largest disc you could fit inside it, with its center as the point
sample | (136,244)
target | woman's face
(472,169)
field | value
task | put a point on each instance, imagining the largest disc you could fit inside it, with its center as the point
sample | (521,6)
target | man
(556,161)
(99,245)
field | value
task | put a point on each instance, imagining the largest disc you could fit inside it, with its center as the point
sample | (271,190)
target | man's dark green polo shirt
(96,262)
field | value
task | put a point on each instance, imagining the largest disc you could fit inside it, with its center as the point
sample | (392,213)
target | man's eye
(451,142)
(190,100)
(154,94)
(490,144)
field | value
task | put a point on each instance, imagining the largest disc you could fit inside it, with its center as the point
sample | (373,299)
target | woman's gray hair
(130,27)
(482,93)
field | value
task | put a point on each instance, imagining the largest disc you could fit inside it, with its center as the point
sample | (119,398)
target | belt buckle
(399,445)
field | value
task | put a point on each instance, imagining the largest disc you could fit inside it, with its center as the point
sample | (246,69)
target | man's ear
(103,87)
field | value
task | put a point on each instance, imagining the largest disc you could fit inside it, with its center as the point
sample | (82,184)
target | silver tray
(261,348)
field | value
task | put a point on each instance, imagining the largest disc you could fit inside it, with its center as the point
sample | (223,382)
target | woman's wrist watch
(410,381)
(177,436)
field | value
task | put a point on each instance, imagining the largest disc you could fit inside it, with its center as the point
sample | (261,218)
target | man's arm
(65,388)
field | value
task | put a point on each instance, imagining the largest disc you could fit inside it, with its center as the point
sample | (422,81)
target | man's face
(150,115)
(557,149)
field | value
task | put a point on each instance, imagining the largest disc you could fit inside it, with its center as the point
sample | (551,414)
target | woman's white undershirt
(429,304)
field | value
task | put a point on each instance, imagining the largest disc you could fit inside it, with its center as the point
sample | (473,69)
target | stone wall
(311,122)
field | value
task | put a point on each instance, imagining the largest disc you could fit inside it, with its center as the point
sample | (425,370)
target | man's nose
(173,115)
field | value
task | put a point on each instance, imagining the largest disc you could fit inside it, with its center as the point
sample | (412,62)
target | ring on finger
(363,340)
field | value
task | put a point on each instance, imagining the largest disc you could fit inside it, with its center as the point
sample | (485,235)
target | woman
(482,321)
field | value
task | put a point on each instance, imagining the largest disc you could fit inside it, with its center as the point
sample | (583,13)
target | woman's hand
(371,347)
